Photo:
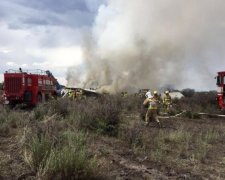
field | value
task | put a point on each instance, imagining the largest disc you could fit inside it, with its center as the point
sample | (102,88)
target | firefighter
(159,100)
(157,96)
(71,94)
(124,94)
(167,101)
(152,115)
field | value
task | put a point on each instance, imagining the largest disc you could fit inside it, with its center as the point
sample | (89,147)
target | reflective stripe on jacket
(167,99)
(153,103)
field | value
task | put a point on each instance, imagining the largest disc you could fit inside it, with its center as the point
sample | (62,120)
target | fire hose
(168,117)
(201,114)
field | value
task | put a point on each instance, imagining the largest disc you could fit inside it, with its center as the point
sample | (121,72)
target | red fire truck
(221,89)
(29,87)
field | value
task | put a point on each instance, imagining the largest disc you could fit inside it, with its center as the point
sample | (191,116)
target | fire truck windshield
(219,80)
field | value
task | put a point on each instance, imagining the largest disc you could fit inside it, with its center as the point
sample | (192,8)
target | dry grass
(56,135)
(177,145)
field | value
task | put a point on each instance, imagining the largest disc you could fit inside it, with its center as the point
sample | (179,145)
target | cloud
(44,34)
(62,57)
(93,5)
(59,6)
(11,64)
(5,50)
(29,13)
(14,65)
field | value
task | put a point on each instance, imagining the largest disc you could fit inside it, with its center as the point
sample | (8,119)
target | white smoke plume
(149,44)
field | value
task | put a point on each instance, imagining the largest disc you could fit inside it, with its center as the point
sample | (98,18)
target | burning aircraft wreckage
(33,87)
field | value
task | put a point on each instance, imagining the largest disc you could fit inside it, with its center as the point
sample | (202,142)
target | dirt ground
(12,165)
(117,160)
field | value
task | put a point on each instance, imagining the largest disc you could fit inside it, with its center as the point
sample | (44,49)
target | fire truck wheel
(39,98)
(11,104)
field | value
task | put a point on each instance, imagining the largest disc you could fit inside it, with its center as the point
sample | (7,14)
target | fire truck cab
(29,87)
(221,89)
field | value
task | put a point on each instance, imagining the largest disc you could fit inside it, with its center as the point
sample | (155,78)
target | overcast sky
(44,34)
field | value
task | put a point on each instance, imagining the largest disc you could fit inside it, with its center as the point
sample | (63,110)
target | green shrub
(158,155)
(37,151)
(3,114)
(17,119)
(132,103)
(72,160)
(178,136)
(211,136)
(13,118)
(100,115)
(4,129)
(66,156)
(60,107)
(201,148)
(199,102)
(40,112)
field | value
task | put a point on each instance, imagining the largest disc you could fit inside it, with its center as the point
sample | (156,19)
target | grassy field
(106,138)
